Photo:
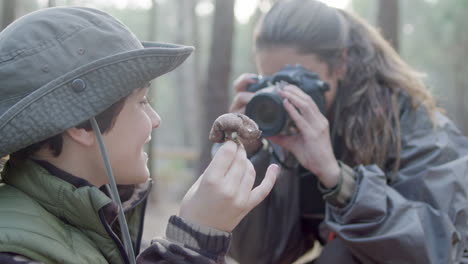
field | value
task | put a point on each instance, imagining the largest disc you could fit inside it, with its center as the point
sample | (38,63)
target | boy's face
(126,139)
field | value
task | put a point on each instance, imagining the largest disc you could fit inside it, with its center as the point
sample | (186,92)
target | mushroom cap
(225,125)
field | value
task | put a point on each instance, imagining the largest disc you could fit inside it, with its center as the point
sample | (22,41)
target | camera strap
(277,158)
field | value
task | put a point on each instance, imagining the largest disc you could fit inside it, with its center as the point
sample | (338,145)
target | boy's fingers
(261,191)
(245,187)
(221,162)
(235,173)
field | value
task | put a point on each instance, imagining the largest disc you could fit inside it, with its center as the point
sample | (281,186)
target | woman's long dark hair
(366,110)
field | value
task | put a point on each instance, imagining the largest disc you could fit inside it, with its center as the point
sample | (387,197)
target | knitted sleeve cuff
(208,241)
(341,194)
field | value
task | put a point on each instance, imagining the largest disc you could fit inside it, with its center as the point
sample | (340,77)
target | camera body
(266,108)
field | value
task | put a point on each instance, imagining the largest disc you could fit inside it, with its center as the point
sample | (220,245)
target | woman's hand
(242,97)
(223,194)
(311,146)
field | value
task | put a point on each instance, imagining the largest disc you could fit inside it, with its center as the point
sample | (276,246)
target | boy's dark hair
(105,121)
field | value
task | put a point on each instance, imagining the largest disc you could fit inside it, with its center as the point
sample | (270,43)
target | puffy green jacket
(52,220)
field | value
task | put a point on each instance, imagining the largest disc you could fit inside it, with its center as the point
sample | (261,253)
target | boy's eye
(144,101)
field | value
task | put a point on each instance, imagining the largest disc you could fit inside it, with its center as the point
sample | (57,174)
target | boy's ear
(81,136)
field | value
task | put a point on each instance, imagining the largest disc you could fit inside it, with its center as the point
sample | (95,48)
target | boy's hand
(223,194)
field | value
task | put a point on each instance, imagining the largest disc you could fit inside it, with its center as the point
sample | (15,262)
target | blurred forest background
(429,34)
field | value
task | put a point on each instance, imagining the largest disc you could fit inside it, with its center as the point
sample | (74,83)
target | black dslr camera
(266,108)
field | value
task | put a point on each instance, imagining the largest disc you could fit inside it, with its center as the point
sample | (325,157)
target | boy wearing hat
(74,120)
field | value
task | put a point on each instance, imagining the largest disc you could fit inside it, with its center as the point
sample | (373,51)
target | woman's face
(271,60)
(126,139)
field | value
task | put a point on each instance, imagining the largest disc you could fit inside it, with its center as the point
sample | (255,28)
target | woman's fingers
(299,120)
(303,109)
(261,191)
(242,96)
(301,94)
(301,102)
(240,101)
(241,83)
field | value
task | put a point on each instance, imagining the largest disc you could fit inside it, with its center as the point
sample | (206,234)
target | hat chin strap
(112,189)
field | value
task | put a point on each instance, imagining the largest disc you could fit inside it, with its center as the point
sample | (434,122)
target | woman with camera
(379,176)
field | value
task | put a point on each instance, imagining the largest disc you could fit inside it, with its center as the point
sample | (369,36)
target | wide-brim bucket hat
(62,66)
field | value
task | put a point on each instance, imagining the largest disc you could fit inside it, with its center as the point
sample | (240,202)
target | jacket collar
(69,197)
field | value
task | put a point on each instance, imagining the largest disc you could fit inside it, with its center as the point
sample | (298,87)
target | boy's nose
(155,119)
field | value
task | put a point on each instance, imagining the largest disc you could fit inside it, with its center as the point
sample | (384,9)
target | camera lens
(267,110)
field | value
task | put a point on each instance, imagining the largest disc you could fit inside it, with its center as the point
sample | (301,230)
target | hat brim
(58,105)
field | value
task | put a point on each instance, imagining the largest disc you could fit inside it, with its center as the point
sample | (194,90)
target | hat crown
(47,44)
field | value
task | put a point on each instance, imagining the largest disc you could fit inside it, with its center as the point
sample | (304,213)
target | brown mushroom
(236,127)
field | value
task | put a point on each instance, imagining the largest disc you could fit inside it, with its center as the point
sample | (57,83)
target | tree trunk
(215,93)
(186,84)
(191,73)
(181,73)
(389,21)
(8,13)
